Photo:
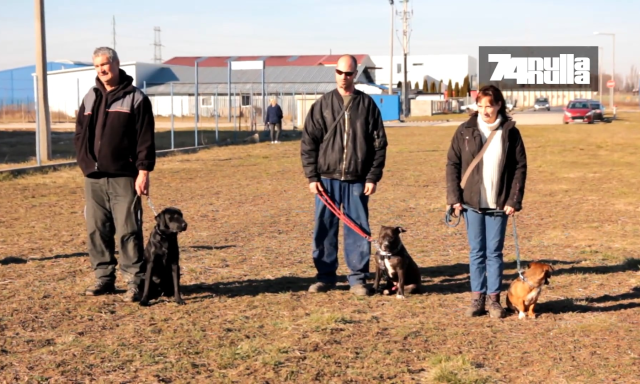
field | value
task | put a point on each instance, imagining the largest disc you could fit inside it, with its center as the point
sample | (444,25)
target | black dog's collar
(386,255)
(158,232)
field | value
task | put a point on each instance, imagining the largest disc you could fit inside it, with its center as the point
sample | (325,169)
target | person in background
(273,118)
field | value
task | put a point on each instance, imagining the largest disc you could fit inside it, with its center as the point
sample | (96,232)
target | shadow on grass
(453,282)
(210,247)
(252,287)
(63,256)
(576,305)
(12,260)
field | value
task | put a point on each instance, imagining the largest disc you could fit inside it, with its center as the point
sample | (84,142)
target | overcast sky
(291,27)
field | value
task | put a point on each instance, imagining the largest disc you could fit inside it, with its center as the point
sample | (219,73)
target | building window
(246,100)
(206,101)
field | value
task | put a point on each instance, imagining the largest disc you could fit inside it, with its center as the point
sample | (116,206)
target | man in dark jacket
(343,152)
(115,150)
(273,117)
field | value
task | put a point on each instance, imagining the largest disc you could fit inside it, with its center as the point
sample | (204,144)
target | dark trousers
(277,127)
(357,249)
(114,213)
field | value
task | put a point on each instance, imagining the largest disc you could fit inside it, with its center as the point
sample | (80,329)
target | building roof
(270,61)
(288,79)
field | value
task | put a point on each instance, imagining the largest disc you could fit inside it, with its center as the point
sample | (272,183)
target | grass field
(246,262)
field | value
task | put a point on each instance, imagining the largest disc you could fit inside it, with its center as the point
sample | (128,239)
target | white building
(295,88)
(429,67)
(67,87)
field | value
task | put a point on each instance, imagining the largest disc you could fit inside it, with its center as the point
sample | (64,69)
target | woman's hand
(457,207)
(509,210)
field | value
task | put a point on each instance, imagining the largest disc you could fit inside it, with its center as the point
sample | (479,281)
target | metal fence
(243,101)
(221,119)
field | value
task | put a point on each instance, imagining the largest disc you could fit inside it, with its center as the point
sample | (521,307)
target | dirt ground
(246,266)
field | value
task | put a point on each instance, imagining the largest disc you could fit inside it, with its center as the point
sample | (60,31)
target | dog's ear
(161,221)
(400,230)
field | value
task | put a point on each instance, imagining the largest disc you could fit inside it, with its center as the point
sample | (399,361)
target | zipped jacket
(354,150)
(115,131)
(465,145)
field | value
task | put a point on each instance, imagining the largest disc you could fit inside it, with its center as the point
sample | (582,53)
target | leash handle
(324,197)
(447,218)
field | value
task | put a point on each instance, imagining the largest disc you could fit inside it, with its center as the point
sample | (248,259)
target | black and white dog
(162,256)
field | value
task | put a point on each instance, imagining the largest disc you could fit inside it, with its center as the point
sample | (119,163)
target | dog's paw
(401,297)
(180,302)
(521,315)
(144,303)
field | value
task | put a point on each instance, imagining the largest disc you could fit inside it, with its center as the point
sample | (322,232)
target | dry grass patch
(246,262)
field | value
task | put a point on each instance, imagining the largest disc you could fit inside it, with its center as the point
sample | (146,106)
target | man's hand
(315,187)
(509,210)
(369,189)
(142,183)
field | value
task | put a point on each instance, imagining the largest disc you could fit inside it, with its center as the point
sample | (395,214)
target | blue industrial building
(16,85)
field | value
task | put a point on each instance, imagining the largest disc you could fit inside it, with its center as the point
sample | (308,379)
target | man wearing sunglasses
(343,150)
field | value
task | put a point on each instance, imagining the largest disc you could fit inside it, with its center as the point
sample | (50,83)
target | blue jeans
(486,233)
(357,249)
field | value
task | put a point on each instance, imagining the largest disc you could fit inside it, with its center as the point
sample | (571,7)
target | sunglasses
(348,74)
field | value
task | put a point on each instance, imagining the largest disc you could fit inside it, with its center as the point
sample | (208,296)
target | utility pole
(613,68)
(157,51)
(600,74)
(391,58)
(406,15)
(113,23)
(44,132)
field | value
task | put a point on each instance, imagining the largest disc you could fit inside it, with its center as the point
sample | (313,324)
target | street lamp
(391,57)
(600,73)
(613,69)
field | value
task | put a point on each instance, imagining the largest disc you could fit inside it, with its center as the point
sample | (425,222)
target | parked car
(541,103)
(597,110)
(578,110)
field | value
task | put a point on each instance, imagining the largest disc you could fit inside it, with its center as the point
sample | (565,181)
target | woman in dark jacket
(496,182)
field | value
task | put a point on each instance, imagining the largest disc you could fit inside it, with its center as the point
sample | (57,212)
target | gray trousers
(114,213)
(275,128)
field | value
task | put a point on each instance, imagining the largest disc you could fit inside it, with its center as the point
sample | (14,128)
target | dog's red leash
(336,211)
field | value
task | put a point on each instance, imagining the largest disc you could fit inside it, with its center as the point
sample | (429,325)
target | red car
(578,110)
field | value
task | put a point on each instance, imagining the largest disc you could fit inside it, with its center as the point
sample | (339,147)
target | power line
(157,46)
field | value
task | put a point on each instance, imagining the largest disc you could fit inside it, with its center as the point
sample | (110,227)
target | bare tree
(631,82)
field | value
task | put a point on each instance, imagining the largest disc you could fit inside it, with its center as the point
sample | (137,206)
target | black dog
(393,260)
(162,256)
